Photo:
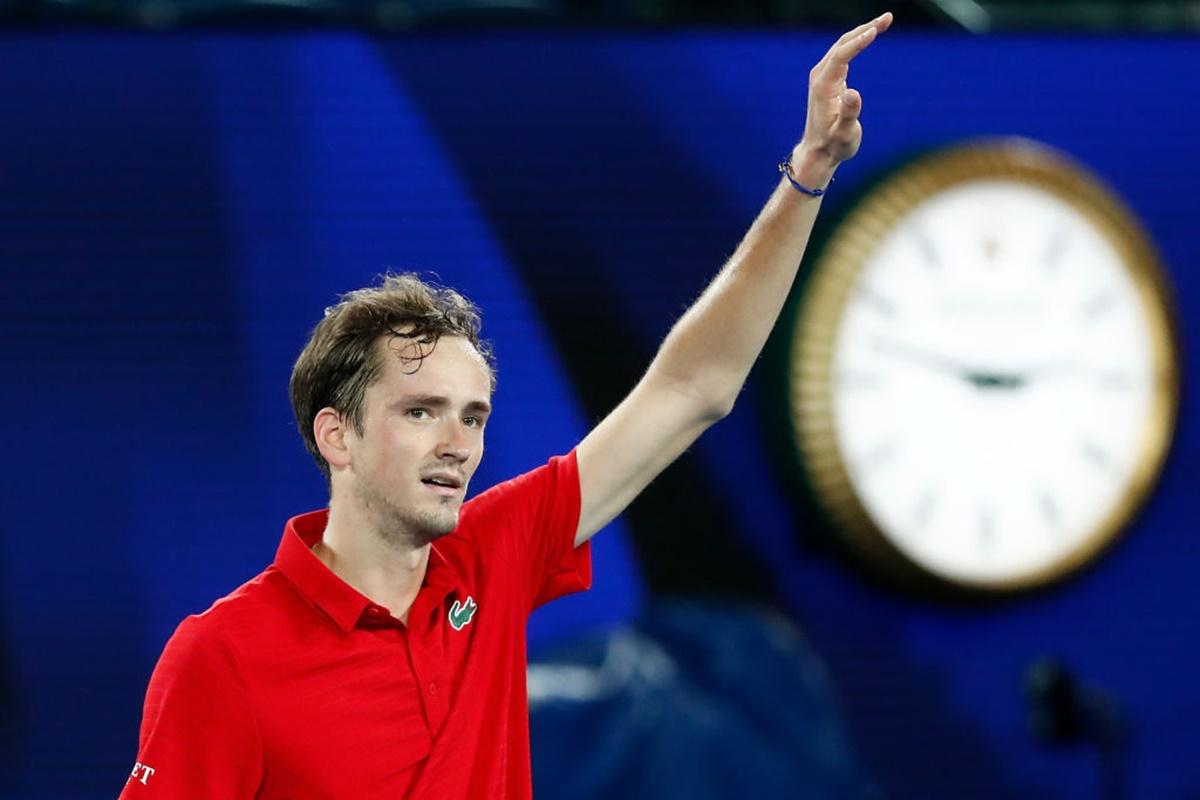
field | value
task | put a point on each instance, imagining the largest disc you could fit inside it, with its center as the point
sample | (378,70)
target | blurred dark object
(984,16)
(976,16)
(698,700)
(388,14)
(383,14)
(1064,713)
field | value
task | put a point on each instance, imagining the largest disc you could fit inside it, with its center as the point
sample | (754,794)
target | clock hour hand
(1016,380)
(1064,368)
(994,380)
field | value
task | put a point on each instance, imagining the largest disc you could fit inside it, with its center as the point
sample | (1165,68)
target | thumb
(851,105)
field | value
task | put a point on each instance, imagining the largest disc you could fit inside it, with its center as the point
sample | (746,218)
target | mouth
(444,483)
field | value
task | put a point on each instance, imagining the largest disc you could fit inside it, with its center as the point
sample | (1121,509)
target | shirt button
(433,688)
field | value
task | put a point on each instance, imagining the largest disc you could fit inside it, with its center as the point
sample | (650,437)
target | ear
(331,433)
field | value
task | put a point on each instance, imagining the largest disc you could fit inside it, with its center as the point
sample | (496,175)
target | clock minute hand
(980,379)
(923,358)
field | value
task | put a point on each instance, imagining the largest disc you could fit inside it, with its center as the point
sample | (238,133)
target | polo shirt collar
(324,589)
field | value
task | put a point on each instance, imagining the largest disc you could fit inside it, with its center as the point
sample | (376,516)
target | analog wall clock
(982,370)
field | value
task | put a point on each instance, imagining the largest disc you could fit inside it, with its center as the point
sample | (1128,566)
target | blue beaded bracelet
(786,168)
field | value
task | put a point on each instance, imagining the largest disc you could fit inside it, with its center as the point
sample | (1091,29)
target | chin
(433,536)
(435,526)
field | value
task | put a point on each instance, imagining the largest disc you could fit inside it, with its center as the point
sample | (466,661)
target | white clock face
(993,380)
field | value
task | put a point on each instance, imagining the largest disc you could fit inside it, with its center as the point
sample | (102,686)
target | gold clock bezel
(833,275)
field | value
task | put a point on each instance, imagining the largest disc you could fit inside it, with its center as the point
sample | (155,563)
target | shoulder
(557,476)
(246,613)
(260,593)
(528,521)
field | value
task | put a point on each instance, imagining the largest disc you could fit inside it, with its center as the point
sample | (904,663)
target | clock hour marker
(876,301)
(987,527)
(873,459)
(1054,248)
(856,379)
(1099,303)
(924,245)
(923,511)
(1113,380)
(1049,510)
(991,248)
(1097,455)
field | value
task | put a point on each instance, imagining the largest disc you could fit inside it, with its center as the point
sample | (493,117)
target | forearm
(712,347)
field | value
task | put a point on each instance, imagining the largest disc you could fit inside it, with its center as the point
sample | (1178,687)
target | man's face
(422,437)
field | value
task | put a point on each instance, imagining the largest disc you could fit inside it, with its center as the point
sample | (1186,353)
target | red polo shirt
(297,686)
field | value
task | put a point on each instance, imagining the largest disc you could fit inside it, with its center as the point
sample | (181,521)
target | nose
(454,445)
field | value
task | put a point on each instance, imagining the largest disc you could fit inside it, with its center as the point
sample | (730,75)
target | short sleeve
(199,738)
(531,520)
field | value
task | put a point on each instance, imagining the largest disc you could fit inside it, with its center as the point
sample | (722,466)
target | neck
(385,567)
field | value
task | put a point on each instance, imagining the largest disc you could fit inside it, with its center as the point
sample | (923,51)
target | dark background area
(975,16)
(177,209)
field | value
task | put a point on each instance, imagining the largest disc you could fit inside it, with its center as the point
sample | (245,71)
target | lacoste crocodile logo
(461,615)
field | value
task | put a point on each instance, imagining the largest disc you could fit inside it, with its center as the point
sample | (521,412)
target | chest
(361,713)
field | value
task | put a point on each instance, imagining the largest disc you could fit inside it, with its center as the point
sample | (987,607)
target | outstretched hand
(832,131)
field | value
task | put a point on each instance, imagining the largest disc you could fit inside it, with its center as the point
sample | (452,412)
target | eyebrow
(440,401)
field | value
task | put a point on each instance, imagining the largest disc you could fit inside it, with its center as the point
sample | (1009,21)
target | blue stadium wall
(176,211)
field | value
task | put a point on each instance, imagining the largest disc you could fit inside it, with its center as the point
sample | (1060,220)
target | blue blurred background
(177,209)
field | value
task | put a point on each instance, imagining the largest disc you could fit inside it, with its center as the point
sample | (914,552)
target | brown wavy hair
(342,357)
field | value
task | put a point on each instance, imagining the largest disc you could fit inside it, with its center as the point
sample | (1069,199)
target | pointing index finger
(855,41)
(880,24)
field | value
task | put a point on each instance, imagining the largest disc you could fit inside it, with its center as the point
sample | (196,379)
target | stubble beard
(406,527)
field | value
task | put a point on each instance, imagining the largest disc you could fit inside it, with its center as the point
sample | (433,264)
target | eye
(418,413)
(473,422)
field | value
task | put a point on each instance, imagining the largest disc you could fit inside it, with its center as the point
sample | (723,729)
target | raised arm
(701,366)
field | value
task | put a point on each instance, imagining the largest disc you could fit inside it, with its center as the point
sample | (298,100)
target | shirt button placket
(428,673)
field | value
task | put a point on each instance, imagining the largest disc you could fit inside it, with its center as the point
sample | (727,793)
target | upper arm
(651,427)
(529,522)
(198,736)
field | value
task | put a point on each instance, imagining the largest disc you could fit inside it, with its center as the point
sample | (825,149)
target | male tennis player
(382,654)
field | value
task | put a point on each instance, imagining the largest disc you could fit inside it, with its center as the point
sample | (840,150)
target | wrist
(811,167)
